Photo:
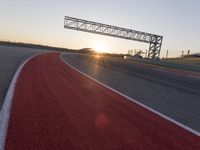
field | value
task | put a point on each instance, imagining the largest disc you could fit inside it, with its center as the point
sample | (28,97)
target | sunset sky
(42,22)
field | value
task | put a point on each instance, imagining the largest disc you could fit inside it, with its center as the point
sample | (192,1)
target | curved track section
(10,59)
(172,93)
(56,107)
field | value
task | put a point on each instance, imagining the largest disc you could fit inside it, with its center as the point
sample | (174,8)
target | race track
(174,93)
(56,107)
(10,59)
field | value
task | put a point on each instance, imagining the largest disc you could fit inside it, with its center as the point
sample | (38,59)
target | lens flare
(100,48)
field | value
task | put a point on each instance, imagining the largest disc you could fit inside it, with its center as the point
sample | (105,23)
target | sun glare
(100,48)
(97,56)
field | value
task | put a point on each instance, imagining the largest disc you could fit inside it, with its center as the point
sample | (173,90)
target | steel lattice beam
(155,41)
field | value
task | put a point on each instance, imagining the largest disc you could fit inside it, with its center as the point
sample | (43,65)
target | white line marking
(7,104)
(193,76)
(131,99)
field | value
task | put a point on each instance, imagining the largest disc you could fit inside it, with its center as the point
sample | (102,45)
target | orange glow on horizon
(100,47)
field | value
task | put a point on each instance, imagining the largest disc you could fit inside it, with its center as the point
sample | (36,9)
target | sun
(100,48)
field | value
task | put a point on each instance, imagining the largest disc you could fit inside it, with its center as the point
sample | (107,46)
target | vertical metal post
(155,47)
(167,54)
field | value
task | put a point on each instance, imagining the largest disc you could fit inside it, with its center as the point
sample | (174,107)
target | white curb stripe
(7,104)
(129,98)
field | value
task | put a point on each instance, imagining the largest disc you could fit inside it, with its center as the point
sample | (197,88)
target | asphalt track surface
(10,59)
(56,107)
(172,93)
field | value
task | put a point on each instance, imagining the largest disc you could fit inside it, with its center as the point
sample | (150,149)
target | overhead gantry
(155,41)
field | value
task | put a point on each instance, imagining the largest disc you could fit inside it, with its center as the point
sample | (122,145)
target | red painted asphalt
(55,107)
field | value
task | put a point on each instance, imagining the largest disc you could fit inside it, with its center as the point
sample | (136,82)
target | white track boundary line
(7,104)
(131,99)
(193,76)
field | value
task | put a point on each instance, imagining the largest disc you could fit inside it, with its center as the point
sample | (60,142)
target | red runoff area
(55,107)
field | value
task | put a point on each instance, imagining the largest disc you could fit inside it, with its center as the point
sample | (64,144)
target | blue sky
(41,22)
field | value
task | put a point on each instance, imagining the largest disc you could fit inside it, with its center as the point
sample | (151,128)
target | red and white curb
(7,104)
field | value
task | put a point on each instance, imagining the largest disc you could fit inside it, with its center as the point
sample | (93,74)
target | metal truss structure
(155,41)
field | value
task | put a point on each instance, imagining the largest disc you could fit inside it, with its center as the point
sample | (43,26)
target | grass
(185,60)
